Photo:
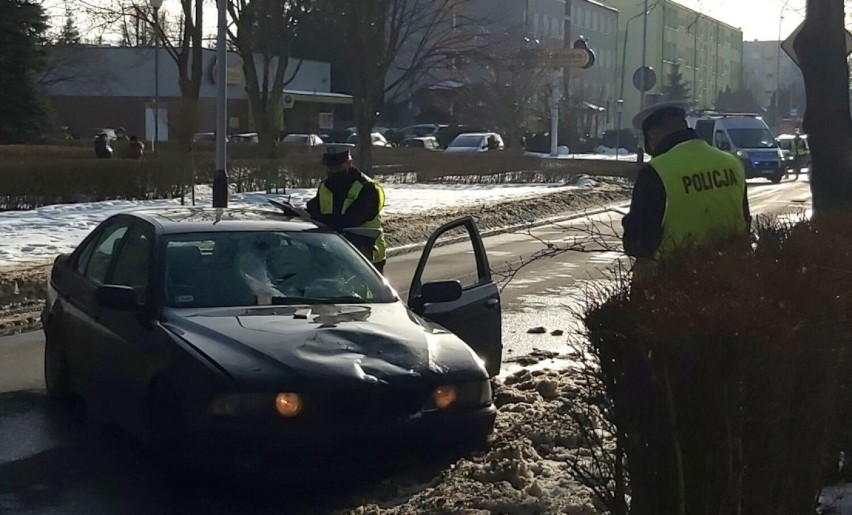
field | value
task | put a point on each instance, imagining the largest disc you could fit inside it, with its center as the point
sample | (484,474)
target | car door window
(132,266)
(469,265)
(722,141)
(96,267)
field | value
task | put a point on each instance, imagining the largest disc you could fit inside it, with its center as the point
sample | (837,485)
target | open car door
(473,313)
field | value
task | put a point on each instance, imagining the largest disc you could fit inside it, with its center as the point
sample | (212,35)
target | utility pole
(644,55)
(220,179)
(554,113)
(155,5)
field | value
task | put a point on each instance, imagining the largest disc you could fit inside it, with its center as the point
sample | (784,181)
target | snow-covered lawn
(40,234)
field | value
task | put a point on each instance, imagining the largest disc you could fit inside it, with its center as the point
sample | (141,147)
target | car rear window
(227,269)
(467,141)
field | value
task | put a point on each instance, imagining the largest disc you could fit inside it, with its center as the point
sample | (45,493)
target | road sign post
(789,44)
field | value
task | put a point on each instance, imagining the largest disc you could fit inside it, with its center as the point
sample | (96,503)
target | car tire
(777,178)
(57,373)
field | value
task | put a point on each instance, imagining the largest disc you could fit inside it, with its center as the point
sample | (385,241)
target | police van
(745,135)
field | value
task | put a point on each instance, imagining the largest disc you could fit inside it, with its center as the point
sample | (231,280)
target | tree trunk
(821,47)
(365,116)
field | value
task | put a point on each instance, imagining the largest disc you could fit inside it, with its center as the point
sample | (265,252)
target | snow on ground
(527,469)
(610,155)
(37,235)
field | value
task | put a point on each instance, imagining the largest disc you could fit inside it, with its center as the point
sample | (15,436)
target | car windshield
(229,269)
(752,138)
(467,141)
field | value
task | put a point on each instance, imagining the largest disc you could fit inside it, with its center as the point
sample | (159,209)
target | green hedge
(727,375)
(36,175)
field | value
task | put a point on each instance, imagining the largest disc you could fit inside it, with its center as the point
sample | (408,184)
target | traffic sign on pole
(568,58)
(790,49)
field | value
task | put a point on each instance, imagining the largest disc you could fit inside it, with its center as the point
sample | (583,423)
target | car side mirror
(120,298)
(441,291)
(724,145)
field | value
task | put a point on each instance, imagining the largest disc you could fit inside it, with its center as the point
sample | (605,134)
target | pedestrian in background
(135,149)
(798,150)
(102,148)
(121,145)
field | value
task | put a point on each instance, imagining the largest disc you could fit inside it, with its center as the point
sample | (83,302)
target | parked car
(378,140)
(425,142)
(205,136)
(423,129)
(245,137)
(259,331)
(310,140)
(475,142)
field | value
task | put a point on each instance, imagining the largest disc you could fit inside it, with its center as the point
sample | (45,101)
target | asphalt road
(55,461)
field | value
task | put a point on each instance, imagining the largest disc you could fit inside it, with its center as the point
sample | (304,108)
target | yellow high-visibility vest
(372,228)
(705,188)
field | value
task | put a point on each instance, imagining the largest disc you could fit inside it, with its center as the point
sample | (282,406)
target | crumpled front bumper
(247,435)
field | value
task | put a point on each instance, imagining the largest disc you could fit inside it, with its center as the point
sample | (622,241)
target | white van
(748,137)
(475,142)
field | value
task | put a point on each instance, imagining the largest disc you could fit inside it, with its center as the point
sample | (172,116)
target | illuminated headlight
(284,404)
(288,404)
(742,154)
(444,396)
(469,395)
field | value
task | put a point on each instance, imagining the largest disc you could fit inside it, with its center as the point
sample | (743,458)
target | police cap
(656,113)
(337,153)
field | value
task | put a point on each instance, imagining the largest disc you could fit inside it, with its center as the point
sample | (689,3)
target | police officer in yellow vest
(351,203)
(688,194)
(799,151)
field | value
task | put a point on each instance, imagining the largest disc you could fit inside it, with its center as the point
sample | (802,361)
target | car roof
(181,220)
(741,122)
(478,134)
(421,138)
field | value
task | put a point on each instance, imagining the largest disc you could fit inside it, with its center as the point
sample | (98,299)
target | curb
(414,247)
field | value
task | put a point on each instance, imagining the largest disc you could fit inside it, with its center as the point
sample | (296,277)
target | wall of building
(597,23)
(761,63)
(93,87)
(673,31)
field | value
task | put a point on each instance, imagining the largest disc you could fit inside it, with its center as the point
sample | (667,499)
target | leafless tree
(822,52)
(505,89)
(390,45)
(127,17)
(262,32)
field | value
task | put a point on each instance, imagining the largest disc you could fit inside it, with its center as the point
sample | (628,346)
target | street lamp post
(220,179)
(155,5)
(644,55)
(619,110)
(778,67)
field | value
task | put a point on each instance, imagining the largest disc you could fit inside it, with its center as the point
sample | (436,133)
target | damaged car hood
(369,343)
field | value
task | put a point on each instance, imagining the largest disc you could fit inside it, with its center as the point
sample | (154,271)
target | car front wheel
(777,178)
(57,375)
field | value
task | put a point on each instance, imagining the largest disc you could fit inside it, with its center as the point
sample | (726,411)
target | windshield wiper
(291,301)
